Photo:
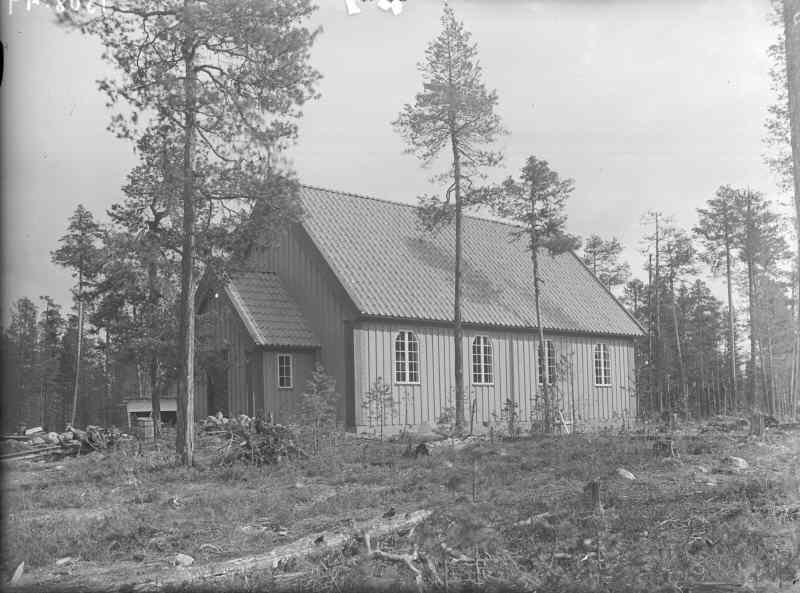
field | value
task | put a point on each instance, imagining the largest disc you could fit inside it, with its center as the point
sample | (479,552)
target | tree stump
(592,489)
(664,447)
(757,425)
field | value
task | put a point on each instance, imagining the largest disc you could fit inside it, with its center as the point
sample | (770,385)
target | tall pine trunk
(705,396)
(185,433)
(681,367)
(651,339)
(78,349)
(751,303)
(155,395)
(458,332)
(155,398)
(791,23)
(773,403)
(543,354)
(731,318)
(657,336)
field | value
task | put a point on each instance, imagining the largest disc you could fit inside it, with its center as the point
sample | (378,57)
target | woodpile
(38,444)
(253,440)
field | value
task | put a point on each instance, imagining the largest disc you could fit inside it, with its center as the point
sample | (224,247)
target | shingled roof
(269,314)
(391,268)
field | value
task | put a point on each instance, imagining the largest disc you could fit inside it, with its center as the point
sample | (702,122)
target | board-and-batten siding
(327,309)
(514,373)
(220,328)
(281,402)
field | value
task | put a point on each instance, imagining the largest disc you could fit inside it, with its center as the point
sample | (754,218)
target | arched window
(550,372)
(406,358)
(602,365)
(482,361)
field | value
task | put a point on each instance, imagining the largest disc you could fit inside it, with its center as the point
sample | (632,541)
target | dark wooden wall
(281,402)
(325,305)
(220,329)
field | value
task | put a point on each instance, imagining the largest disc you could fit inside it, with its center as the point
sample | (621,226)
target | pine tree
(703,322)
(79,251)
(23,334)
(655,290)
(679,256)
(602,256)
(717,228)
(455,113)
(51,328)
(536,202)
(761,246)
(223,81)
(783,133)
(318,403)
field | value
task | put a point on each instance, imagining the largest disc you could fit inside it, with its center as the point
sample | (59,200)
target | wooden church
(360,288)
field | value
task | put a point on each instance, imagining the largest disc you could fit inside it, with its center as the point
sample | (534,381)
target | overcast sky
(646,104)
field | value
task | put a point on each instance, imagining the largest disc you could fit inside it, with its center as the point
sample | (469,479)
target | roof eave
(497,327)
(244,313)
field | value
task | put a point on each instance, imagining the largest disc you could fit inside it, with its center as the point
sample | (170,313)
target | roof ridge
(404,204)
(252,270)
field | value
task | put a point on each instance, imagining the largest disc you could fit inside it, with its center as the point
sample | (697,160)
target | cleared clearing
(693,521)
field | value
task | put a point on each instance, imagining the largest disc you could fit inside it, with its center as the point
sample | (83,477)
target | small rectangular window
(547,371)
(285,371)
(406,358)
(482,361)
(602,365)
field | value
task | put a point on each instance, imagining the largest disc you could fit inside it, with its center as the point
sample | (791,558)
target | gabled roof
(391,268)
(269,314)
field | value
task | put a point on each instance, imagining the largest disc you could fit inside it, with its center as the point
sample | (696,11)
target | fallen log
(37,452)
(152,577)
(713,588)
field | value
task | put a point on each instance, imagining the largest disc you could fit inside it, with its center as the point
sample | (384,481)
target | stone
(735,463)
(623,473)
(17,574)
(183,560)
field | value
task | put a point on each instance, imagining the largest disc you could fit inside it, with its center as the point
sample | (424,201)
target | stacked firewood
(36,443)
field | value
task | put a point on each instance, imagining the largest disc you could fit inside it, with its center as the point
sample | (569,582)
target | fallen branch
(151,577)
(407,559)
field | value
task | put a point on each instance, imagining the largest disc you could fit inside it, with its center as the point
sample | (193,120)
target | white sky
(646,104)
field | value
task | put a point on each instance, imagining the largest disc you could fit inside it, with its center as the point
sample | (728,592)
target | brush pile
(253,440)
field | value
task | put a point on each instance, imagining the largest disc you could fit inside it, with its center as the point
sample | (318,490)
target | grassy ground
(531,526)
